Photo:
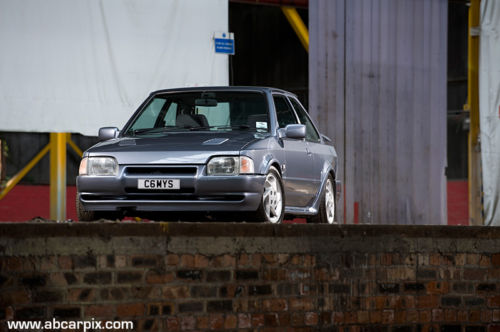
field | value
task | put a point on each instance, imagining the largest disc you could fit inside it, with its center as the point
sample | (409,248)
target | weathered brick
(81,295)
(426,274)
(495,260)
(97,278)
(260,290)
(188,323)
(203,322)
(220,306)
(220,275)
(414,286)
(277,274)
(437,287)
(166,309)
(34,281)
(247,274)
(494,301)
(98,311)
(486,287)
(130,310)
(144,261)
(224,261)
(275,305)
(474,301)
(231,291)
(173,324)
(244,321)
(427,301)
(83,262)
(339,289)
(189,274)
(66,313)
(70,278)
(190,307)
(203,291)
(30,313)
(128,277)
(230,322)
(158,276)
(175,292)
(474,274)
(172,260)
(258,320)
(46,296)
(217,321)
(389,288)
(301,304)
(57,279)
(120,261)
(14,297)
(451,301)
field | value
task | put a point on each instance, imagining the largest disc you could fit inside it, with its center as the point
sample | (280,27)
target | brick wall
(253,277)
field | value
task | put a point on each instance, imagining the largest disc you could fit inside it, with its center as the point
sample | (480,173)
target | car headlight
(99,166)
(230,166)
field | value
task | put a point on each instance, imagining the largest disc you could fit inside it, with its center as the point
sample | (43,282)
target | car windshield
(202,111)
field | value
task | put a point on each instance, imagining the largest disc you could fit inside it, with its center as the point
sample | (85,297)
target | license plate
(169,184)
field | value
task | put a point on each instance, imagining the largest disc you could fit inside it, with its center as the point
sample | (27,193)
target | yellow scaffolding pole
(474,160)
(297,24)
(16,178)
(58,176)
(57,147)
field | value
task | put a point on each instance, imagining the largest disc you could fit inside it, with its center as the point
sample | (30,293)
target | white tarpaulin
(489,105)
(75,66)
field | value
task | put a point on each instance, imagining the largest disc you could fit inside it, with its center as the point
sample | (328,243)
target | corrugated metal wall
(377,82)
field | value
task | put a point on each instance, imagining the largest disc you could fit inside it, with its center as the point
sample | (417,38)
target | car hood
(175,148)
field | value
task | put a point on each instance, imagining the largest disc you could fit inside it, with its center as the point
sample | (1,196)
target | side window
(311,133)
(283,111)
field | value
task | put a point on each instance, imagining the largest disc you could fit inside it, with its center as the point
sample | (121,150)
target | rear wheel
(272,205)
(326,212)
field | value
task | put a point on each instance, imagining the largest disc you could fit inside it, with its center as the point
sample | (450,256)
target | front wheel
(272,205)
(86,215)
(326,212)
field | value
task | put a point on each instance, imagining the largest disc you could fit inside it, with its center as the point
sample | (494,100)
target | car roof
(224,88)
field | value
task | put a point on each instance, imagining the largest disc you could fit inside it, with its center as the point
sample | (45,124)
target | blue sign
(224,45)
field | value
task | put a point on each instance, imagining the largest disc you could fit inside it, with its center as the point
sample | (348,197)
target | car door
(317,150)
(297,171)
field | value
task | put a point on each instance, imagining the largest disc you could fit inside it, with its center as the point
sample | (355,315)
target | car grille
(160,170)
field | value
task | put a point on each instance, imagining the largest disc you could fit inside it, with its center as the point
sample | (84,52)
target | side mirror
(106,133)
(296,131)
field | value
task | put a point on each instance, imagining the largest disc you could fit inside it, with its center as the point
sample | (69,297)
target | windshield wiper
(155,130)
(221,127)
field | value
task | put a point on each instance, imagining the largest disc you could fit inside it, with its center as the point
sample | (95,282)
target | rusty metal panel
(377,77)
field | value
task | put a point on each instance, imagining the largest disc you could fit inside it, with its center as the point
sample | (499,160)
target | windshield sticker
(261,125)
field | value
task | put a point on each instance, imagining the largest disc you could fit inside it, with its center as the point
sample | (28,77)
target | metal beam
(297,24)
(16,178)
(474,145)
(58,176)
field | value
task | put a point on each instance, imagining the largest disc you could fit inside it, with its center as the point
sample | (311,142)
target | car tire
(85,215)
(82,214)
(272,205)
(326,212)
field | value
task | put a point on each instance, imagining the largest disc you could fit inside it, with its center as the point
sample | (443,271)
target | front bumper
(198,192)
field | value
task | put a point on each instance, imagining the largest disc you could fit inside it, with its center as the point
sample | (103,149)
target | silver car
(233,149)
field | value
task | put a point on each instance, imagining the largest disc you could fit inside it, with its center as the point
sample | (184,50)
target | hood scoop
(215,141)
